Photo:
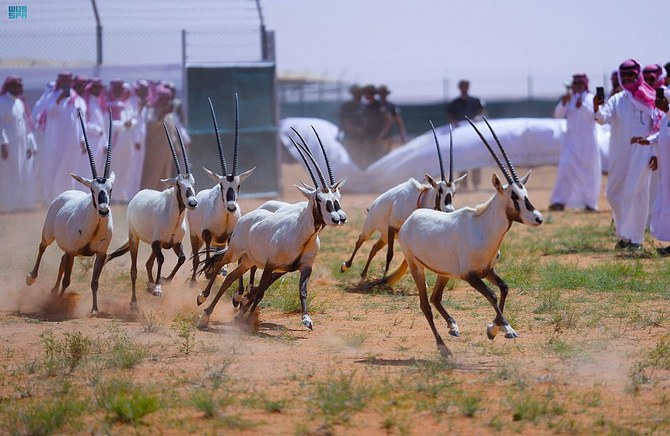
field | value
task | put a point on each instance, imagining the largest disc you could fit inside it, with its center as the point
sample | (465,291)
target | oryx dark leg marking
(373,252)
(40,252)
(259,292)
(389,250)
(150,266)
(196,244)
(420,280)
(67,273)
(500,283)
(436,299)
(181,258)
(230,279)
(479,285)
(158,254)
(304,278)
(61,268)
(97,269)
(133,246)
(348,262)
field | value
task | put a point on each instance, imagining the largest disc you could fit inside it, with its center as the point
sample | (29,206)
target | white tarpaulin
(529,142)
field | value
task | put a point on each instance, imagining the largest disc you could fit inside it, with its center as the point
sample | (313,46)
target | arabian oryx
(469,251)
(213,221)
(279,241)
(158,218)
(81,223)
(389,211)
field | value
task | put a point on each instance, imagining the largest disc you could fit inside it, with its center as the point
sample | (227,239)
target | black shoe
(622,244)
(663,252)
(634,247)
(589,209)
(557,207)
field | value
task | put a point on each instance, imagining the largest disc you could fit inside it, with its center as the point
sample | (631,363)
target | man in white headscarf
(579,172)
(17,149)
(631,113)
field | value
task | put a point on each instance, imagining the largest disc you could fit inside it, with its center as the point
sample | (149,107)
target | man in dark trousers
(466,106)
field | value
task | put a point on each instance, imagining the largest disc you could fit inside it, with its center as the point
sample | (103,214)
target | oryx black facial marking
(515,199)
(528,204)
(230,195)
(447,199)
(102,198)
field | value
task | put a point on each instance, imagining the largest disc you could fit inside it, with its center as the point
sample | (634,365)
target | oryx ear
(111,178)
(246,174)
(307,191)
(497,183)
(212,175)
(82,180)
(430,180)
(337,185)
(170,182)
(524,179)
(460,179)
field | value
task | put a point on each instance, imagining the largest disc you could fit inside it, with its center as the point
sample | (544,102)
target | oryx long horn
(304,159)
(88,147)
(437,144)
(108,162)
(183,151)
(495,157)
(218,138)
(515,177)
(236,153)
(325,157)
(311,156)
(174,155)
(451,154)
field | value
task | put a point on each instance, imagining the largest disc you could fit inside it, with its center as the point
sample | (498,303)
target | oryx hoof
(344,267)
(492,331)
(157,291)
(509,332)
(133,306)
(30,279)
(237,299)
(203,322)
(454,331)
(444,351)
(307,322)
(165,281)
(94,313)
(201,298)
(224,271)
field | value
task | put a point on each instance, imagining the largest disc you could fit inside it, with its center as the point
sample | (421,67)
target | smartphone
(600,92)
(660,93)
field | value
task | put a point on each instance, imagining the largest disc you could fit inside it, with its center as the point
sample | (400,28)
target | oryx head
(184,183)
(101,187)
(325,197)
(444,190)
(517,205)
(228,183)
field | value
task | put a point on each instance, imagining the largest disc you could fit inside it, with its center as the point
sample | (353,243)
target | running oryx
(213,221)
(280,241)
(390,210)
(80,222)
(158,218)
(469,251)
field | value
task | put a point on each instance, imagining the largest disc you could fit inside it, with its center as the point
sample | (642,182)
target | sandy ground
(378,339)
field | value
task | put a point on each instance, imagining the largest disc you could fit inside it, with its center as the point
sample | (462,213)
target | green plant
(469,404)
(151,322)
(339,396)
(185,328)
(44,417)
(124,353)
(204,402)
(67,353)
(125,402)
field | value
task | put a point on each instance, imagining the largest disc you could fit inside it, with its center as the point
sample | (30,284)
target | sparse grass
(284,296)
(124,353)
(124,401)
(66,353)
(642,372)
(355,340)
(184,325)
(43,417)
(338,397)
(526,407)
(151,321)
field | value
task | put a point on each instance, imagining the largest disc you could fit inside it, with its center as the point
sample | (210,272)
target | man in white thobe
(630,113)
(63,145)
(17,150)
(578,177)
(660,208)
(139,102)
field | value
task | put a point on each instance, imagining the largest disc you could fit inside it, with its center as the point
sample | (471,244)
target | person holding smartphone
(660,209)
(578,178)
(631,113)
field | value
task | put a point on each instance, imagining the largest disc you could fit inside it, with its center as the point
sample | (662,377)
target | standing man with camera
(631,113)
(578,177)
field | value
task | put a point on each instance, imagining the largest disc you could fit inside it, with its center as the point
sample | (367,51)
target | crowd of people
(638,182)
(40,147)
(370,125)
